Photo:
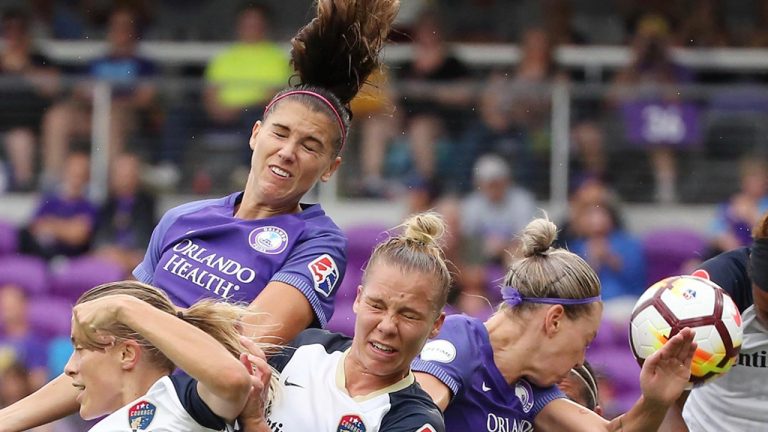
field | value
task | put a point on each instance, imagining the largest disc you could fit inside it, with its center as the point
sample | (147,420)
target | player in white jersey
(737,401)
(129,338)
(331,383)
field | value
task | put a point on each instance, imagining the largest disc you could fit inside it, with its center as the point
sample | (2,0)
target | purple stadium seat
(50,316)
(78,275)
(617,365)
(666,250)
(361,240)
(28,272)
(9,238)
(343,320)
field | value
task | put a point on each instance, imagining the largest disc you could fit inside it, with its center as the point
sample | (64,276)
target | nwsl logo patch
(325,274)
(351,423)
(140,415)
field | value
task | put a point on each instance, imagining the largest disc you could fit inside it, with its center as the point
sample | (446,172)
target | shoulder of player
(194,206)
(412,410)
(329,341)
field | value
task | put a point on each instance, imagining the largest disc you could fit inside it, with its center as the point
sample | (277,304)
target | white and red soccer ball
(677,302)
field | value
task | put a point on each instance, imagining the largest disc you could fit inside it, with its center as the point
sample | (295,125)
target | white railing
(589,58)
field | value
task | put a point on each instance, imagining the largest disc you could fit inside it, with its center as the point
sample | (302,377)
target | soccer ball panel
(649,331)
(687,298)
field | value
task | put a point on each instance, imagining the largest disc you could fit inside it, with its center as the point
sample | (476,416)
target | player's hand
(666,372)
(261,374)
(91,321)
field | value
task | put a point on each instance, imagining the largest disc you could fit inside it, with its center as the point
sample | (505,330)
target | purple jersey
(462,358)
(201,250)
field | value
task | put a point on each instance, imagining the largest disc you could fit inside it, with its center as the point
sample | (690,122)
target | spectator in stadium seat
(731,228)
(331,383)
(263,246)
(14,382)
(239,82)
(28,82)
(18,341)
(615,255)
(128,216)
(655,115)
(491,217)
(434,93)
(514,109)
(133,95)
(64,221)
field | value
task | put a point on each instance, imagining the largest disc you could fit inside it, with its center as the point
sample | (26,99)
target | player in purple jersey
(501,375)
(331,383)
(263,246)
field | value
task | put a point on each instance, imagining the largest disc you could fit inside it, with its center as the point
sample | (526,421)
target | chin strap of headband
(512,297)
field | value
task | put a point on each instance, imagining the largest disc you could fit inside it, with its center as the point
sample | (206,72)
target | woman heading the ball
(502,374)
(736,400)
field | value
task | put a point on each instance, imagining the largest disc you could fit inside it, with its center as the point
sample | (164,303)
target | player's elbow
(233,384)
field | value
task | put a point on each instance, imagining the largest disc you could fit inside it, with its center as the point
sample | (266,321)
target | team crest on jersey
(524,392)
(325,274)
(351,423)
(270,240)
(426,428)
(140,415)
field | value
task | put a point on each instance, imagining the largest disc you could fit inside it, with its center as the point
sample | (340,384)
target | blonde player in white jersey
(737,401)
(129,339)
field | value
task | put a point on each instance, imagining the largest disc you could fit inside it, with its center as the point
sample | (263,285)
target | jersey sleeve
(145,271)
(186,389)
(405,420)
(316,267)
(452,356)
(729,271)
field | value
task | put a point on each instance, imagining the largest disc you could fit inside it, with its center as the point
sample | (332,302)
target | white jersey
(172,404)
(737,401)
(313,394)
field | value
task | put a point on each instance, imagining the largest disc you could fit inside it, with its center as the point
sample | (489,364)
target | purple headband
(319,96)
(513,298)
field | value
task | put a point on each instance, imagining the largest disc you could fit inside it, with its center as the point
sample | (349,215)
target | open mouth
(382,348)
(279,171)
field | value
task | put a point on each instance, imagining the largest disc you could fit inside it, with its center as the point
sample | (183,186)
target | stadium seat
(361,240)
(9,238)
(50,316)
(668,249)
(28,272)
(77,275)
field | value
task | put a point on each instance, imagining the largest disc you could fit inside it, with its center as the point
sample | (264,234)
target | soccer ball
(677,302)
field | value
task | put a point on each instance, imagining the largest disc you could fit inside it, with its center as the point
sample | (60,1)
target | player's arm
(223,383)
(436,389)
(663,377)
(281,313)
(53,401)
(673,421)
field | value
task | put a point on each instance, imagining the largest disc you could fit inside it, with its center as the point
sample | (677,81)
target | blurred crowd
(435,131)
